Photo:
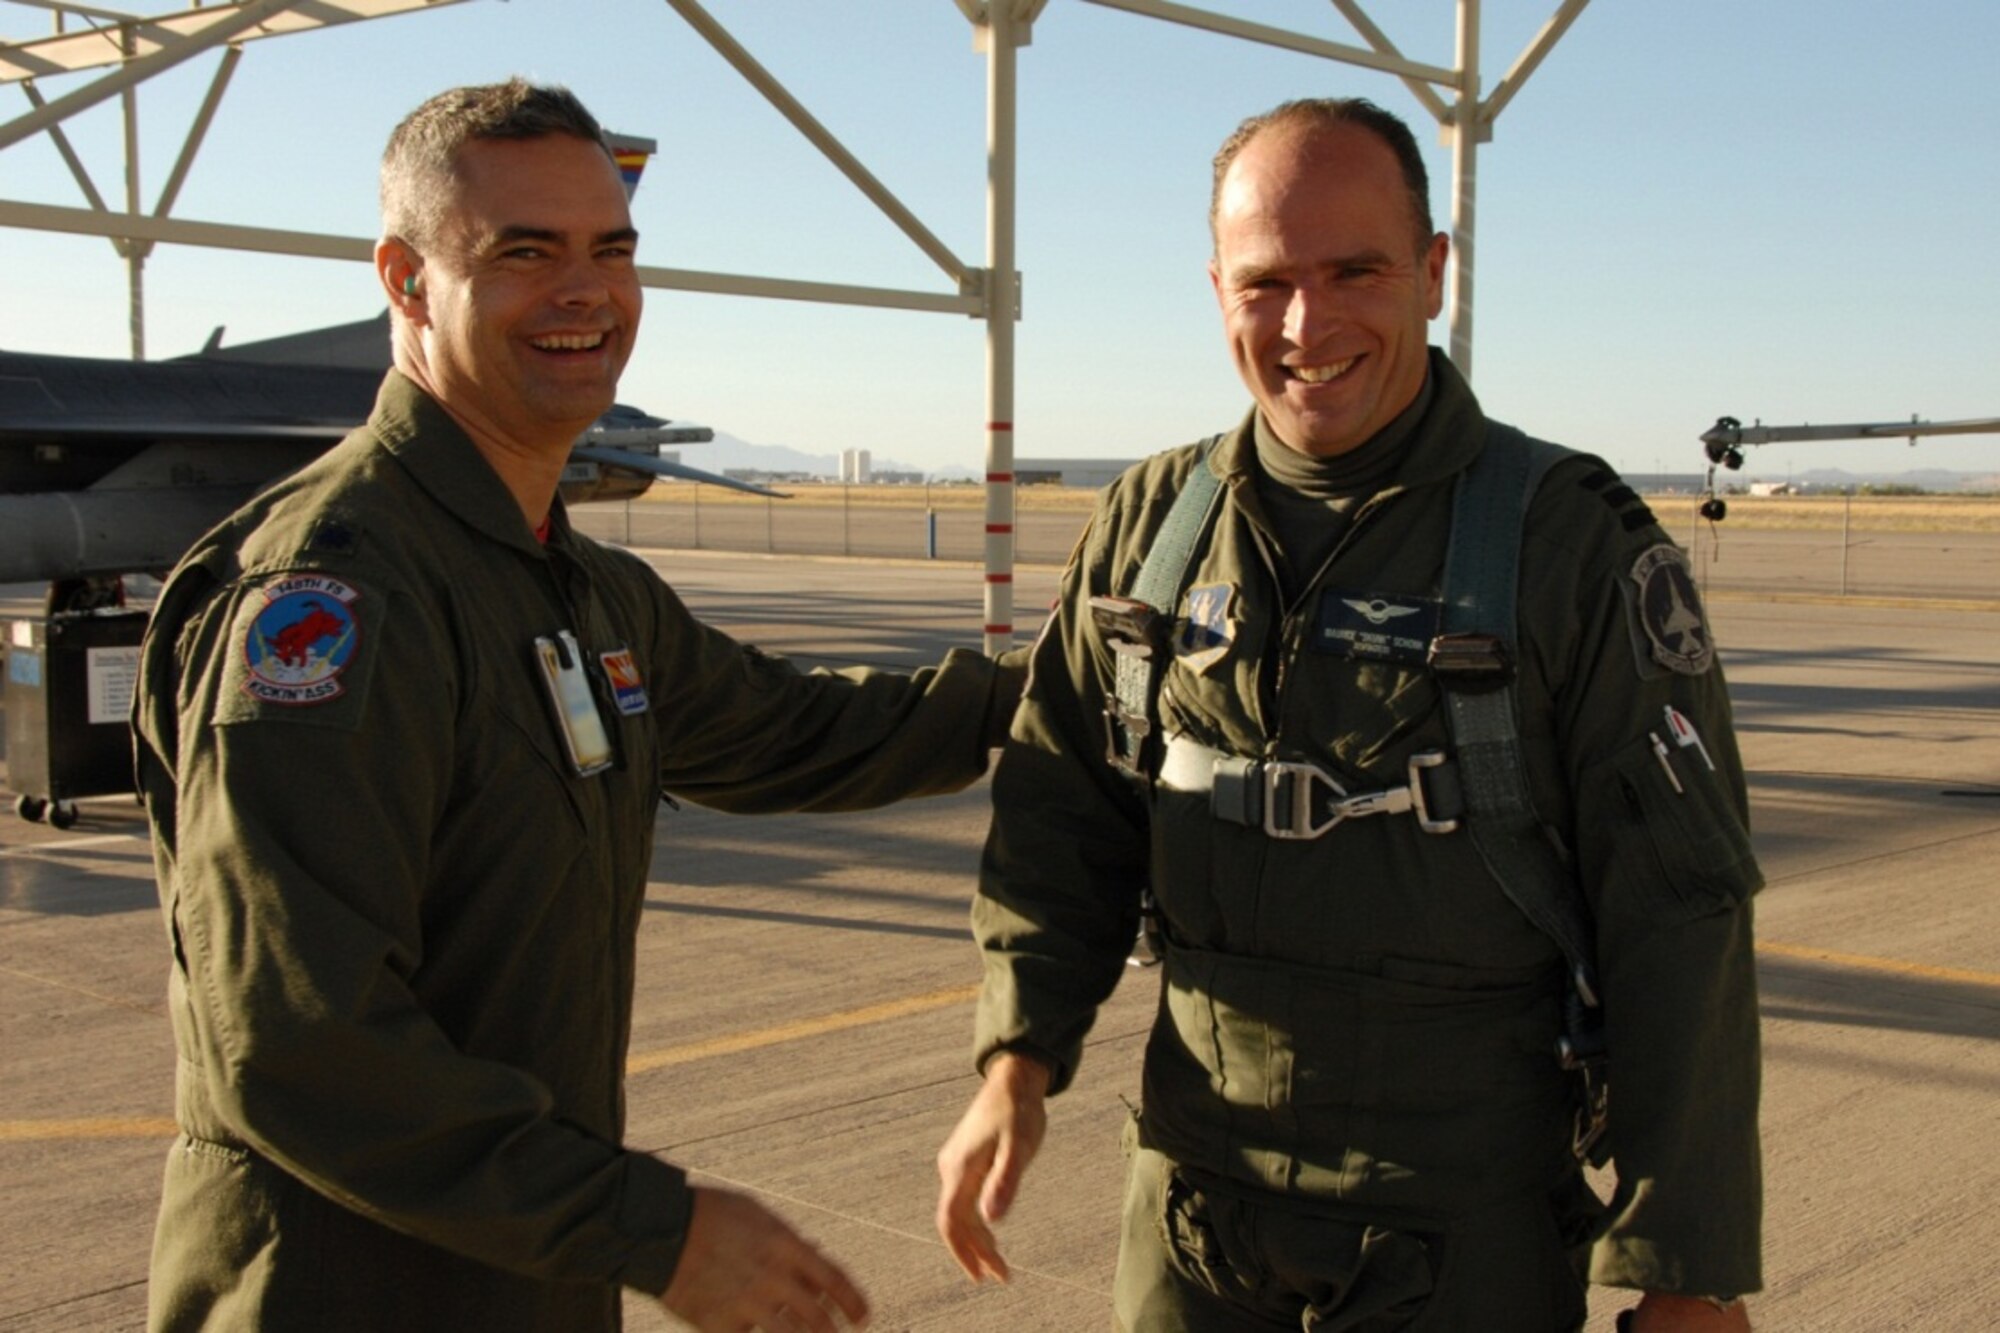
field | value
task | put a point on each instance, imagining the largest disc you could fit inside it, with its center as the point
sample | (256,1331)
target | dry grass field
(1828,513)
(1801,513)
(949,495)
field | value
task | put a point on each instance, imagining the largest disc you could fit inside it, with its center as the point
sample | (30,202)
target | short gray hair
(423,151)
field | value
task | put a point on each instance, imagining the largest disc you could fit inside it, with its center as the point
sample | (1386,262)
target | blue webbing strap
(1481,585)
(1160,581)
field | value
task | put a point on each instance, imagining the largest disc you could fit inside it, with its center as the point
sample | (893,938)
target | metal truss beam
(1191,17)
(100,44)
(150,229)
(219,28)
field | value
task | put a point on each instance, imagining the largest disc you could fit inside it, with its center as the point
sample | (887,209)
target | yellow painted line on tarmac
(153,1127)
(100,1127)
(1872,964)
(32,1131)
(805,1027)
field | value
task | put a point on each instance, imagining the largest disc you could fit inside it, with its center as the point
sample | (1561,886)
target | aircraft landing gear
(30,808)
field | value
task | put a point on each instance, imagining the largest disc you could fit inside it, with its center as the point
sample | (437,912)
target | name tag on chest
(1375,628)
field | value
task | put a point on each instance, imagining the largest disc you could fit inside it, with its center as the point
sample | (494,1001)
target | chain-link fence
(883,522)
(1941,547)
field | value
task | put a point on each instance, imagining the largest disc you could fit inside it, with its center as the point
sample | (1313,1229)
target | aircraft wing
(660,467)
(110,429)
(112,466)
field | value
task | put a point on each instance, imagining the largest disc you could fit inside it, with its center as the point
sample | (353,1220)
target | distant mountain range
(726,451)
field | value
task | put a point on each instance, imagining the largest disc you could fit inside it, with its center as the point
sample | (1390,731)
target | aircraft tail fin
(631,153)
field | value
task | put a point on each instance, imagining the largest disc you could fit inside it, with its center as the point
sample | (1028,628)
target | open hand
(744,1271)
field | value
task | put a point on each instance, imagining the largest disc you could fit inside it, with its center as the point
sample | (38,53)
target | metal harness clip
(1289,792)
(1292,801)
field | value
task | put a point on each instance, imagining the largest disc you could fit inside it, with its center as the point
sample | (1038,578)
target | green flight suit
(403,924)
(1358,1029)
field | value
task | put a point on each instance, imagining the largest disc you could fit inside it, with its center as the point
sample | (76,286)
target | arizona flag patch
(628,687)
(1209,630)
(301,641)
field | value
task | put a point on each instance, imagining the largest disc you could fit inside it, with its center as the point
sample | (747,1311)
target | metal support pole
(135,251)
(1464,184)
(1846,527)
(1001,289)
(203,118)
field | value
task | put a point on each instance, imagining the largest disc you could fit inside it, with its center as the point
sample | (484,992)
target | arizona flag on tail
(631,153)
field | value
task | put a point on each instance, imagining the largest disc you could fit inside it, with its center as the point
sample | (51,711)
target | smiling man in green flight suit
(1354,1116)
(403,733)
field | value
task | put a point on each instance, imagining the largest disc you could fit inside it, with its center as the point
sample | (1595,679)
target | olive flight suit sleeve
(294,846)
(746,731)
(1057,910)
(1661,834)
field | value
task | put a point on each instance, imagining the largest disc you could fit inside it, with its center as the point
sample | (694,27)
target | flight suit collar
(435,449)
(1442,445)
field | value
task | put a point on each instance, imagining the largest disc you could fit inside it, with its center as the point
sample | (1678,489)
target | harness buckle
(1471,662)
(1289,791)
(1294,800)
(1124,734)
(1428,761)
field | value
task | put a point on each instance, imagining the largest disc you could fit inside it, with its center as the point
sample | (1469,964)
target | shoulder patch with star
(1669,611)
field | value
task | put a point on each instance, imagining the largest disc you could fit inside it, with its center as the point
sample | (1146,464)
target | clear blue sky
(1785,209)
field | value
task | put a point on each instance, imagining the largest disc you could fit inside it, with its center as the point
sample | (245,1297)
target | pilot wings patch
(1381,628)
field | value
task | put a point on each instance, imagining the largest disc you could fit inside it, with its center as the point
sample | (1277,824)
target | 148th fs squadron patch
(301,641)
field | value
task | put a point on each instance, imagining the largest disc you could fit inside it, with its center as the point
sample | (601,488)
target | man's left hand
(1660,1312)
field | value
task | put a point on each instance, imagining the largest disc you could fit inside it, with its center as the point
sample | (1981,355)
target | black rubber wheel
(30,808)
(63,814)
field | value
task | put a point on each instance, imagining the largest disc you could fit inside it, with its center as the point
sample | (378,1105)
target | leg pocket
(1174,1273)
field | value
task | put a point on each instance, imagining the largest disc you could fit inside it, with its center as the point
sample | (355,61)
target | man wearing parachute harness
(1409,732)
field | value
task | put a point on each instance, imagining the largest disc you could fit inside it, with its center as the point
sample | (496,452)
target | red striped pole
(1002,293)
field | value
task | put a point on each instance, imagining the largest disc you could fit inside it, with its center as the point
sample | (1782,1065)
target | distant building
(854,466)
(1773,488)
(1091,473)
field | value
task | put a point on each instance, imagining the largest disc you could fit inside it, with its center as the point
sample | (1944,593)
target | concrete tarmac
(805,991)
